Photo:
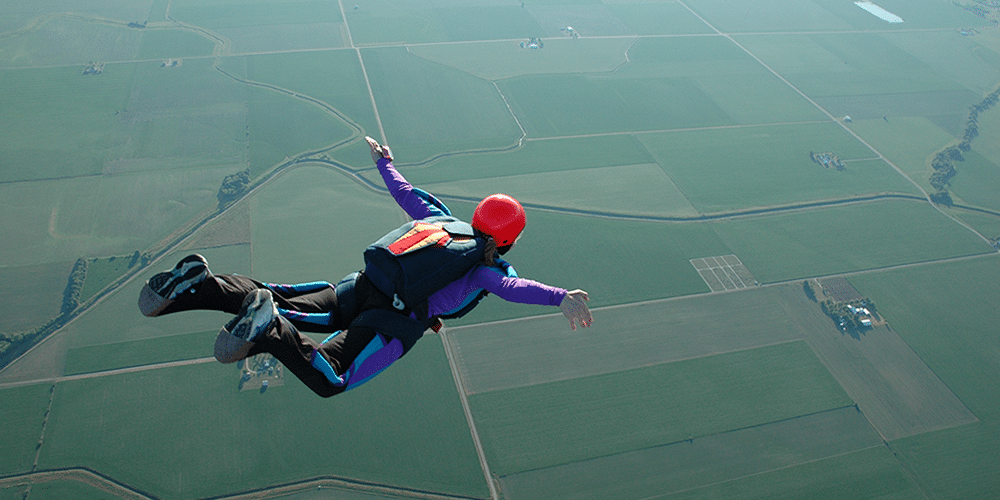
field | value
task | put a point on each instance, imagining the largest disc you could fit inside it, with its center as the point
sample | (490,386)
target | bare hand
(574,307)
(378,151)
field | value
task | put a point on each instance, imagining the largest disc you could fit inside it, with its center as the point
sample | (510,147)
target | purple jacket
(481,277)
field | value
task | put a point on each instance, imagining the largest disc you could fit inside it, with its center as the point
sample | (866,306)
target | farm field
(694,464)
(589,417)
(144,396)
(718,175)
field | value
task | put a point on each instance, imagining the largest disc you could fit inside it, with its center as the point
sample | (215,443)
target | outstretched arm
(525,291)
(401,190)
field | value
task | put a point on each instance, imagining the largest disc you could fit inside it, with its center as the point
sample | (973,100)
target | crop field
(461,113)
(226,14)
(499,60)
(978,174)
(907,141)
(882,68)
(65,41)
(333,77)
(328,247)
(777,169)
(394,21)
(62,220)
(301,127)
(224,447)
(588,417)
(688,163)
(963,357)
(71,126)
(33,293)
(815,243)
(632,336)
(633,189)
(131,353)
(870,473)
(985,224)
(23,409)
(535,157)
(695,463)
(58,489)
(988,147)
(169,44)
(652,19)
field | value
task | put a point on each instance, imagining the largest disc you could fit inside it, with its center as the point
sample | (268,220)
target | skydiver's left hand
(574,307)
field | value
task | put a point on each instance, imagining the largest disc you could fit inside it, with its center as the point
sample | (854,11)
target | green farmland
(718,175)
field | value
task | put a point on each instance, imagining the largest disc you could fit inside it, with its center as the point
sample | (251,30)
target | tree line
(943,163)
(14,343)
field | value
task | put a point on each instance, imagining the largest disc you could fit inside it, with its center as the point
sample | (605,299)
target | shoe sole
(255,317)
(190,271)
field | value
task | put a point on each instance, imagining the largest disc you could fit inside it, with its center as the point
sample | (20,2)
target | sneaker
(190,271)
(256,316)
(163,288)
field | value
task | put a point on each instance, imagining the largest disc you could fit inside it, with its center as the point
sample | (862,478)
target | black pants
(299,306)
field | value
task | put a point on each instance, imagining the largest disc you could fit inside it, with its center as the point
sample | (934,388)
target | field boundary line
(347,27)
(107,373)
(524,134)
(670,130)
(84,475)
(364,71)
(122,490)
(460,385)
(625,53)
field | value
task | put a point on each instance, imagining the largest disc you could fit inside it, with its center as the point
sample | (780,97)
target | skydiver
(369,329)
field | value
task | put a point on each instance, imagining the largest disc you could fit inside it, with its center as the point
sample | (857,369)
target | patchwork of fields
(666,151)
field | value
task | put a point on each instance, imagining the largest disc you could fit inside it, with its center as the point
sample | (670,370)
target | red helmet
(501,217)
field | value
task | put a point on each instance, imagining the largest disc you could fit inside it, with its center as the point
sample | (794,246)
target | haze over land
(785,213)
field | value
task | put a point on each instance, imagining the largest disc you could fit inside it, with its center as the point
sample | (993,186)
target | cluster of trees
(533,43)
(841,314)
(982,8)
(943,162)
(807,287)
(827,159)
(233,187)
(74,286)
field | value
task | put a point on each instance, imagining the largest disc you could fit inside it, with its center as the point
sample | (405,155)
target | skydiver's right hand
(378,151)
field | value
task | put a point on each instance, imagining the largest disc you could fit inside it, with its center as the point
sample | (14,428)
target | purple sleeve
(520,290)
(402,191)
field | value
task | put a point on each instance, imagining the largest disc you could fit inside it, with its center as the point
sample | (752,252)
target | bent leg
(343,362)
(380,352)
